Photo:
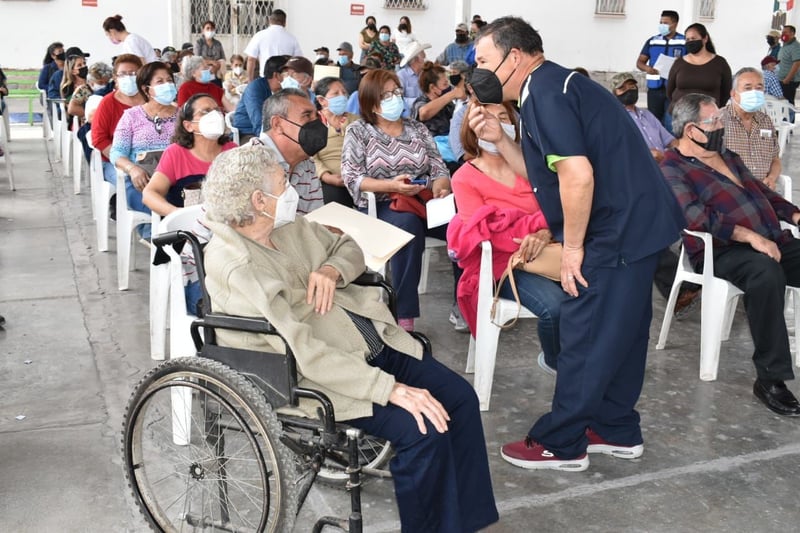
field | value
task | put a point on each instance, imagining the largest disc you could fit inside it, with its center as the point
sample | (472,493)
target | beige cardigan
(246,278)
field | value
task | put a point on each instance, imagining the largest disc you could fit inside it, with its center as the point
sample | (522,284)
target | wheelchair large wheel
(373,453)
(202,452)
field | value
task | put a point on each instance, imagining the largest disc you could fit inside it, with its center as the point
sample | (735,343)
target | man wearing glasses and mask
(721,196)
(606,200)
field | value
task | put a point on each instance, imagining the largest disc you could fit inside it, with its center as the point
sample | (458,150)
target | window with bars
(706,9)
(405,4)
(244,17)
(609,7)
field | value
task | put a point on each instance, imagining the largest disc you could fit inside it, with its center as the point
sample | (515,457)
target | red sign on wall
(355,9)
(89,3)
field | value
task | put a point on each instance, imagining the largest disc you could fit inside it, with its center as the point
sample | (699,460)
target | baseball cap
(299,64)
(347,47)
(322,49)
(370,63)
(168,49)
(619,79)
(775,33)
(462,27)
(187,46)
(769,60)
(75,51)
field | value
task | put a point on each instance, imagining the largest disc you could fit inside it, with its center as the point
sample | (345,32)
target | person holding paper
(497,204)
(389,155)
(667,42)
(264,261)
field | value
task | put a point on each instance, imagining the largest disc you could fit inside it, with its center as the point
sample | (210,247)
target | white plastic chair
(430,243)
(6,118)
(101,195)
(717,307)
(234,129)
(66,139)
(482,352)
(7,155)
(127,220)
(58,125)
(778,111)
(47,131)
(77,156)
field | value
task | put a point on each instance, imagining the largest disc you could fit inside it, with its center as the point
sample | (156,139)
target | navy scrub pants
(441,480)
(604,334)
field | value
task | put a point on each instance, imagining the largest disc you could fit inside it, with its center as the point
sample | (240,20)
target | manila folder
(378,240)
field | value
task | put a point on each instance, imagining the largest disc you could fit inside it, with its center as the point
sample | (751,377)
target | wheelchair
(205,447)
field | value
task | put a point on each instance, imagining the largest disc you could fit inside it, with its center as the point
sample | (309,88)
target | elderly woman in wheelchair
(265,262)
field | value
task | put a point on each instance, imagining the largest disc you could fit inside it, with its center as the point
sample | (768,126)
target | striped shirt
(757,147)
(303,178)
(712,202)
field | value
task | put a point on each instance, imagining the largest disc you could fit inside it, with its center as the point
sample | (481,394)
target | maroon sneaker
(598,444)
(530,454)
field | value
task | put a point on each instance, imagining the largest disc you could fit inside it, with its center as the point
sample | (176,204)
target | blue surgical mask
(392,108)
(165,93)
(385,37)
(343,60)
(663,29)
(205,76)
(751,101)
(290,83)
(127,85)
(337,104)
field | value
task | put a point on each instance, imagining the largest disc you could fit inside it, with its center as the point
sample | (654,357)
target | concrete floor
(74,346)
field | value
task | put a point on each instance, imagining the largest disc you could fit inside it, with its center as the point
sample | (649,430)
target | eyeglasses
(711,121)
(389,94)
(129,73)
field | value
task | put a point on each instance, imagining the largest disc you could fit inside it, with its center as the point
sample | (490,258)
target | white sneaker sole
(620,452)
(573,465)
(544,366)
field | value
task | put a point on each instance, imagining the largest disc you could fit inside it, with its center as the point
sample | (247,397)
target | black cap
(322,49)
(186,46)
(75,51)
(370,63)
(168,49)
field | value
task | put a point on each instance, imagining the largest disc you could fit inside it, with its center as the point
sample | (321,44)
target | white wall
(572,34)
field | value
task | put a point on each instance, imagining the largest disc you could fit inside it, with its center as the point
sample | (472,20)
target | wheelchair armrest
(373,279)
(423,340)
(238,323)
(369,279)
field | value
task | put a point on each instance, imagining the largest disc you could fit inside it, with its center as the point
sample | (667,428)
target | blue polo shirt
(634,213)
(247,116)
(657,45)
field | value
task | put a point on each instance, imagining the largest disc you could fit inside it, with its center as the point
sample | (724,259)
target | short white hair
(190,64)
(233,178)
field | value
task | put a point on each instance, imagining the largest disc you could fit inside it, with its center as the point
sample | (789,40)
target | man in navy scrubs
(606,200)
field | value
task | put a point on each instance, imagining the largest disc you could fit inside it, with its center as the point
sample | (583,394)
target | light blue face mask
(663,29)
(127,85)
(205,76)
(165,93)
(337,104)
(290,83)
(343,60)
(385,37)
(751,101)
(392,108)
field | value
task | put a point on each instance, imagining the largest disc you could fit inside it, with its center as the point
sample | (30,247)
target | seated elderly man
(292,129)
(721,196)
(264,261)
(748,130)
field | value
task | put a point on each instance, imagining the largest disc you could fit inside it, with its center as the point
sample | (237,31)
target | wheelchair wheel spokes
(202,452)
(374,454)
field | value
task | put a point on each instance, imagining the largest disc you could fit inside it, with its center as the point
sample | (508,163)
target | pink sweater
(474,189)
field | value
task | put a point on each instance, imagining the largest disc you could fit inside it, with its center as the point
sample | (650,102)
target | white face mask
(209,34)
(212,125)
(486,146)
(237,70)
(97,86)
(290,83)
(285,207)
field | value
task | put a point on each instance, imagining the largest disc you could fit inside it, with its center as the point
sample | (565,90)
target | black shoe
(2,320)
(112,207)
(777,397)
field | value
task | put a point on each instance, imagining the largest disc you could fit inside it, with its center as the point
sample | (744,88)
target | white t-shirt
(138,46)
(273,41)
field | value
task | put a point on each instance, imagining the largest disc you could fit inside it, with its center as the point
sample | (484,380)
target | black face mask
(174,67)
(771,41)
(629,97)
(312,138)
(455,79)
(62,56)
(83,72)
(693,47)
(486,86)
(715,142)
(461,38)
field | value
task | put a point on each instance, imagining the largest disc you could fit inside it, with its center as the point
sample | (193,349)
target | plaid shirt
(714,203)
(758,147)
(772,85)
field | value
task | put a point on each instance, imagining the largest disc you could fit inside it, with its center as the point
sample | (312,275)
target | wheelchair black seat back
(205,450)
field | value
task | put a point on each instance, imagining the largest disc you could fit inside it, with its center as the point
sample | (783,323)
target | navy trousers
(441,480)
(604,334)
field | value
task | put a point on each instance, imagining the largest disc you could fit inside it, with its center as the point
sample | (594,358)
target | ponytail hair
(114,23)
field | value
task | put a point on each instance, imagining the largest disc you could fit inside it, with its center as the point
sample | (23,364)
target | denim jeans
(544,298)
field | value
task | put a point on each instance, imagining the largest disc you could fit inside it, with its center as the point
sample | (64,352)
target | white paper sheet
(440,210)
(663,65)
(378,240)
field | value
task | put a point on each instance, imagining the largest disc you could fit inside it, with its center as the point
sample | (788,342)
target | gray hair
(745,70)
(233,178)
(687,110)
(278,104)
(99,71)
(190,64)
